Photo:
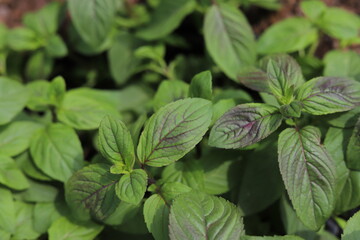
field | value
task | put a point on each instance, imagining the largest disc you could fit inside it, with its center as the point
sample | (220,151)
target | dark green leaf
(326,95)
(353,149)
(195,215)
(93,19)
(244,125)
(308,172)
(115,142)
(173,131)
(92,190)
(166,18)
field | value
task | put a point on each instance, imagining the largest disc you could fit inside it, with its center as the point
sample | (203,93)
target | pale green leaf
(170,91)
(81,110)
(201,85)
(340,63)
(352,228)
(156,214)
(132,186)
(10,174)
(229,39)
(65,229)
(13,97)
(289,35)
(7,210)
(15,137)
(57,151)
(353,149)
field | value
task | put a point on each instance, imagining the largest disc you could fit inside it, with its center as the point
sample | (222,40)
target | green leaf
(173,131)
(123,213)
(156,214)
(349,197)
(13,97)
(57,151)
(27,165)
(10,175)
(38,192)
(65,229)
(57,91)
(339,23)
(121,56)
(292,110)
(288,237)
(335,142)
(353,149)
(326,95)
(44,215)
(284,75)
(81,110)
(7,209)
(166,18)
(229,39)
(132,186)
(115,142)
(221,107)
(352,229)
(24,228)
(15,137)
(195,215)
(93,19)
(56,47)
(92,190)
(344,119)
(244,125)
(260,184)
(46,20)
(201,85)
(190,173)
(23,39)
(39,66)
(289,35)
(342,64)
(39,95)
(313,9)
(170,91)
(308,172)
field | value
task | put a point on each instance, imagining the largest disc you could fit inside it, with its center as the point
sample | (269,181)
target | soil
(11,12)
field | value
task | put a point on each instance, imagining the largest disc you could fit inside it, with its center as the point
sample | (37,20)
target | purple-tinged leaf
(326,95)
(173,131)
(308,173)
(244,125)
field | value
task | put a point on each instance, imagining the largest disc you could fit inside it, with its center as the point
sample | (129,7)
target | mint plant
(308,171)
(186,119)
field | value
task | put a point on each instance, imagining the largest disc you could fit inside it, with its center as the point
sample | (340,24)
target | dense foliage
(171,119)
